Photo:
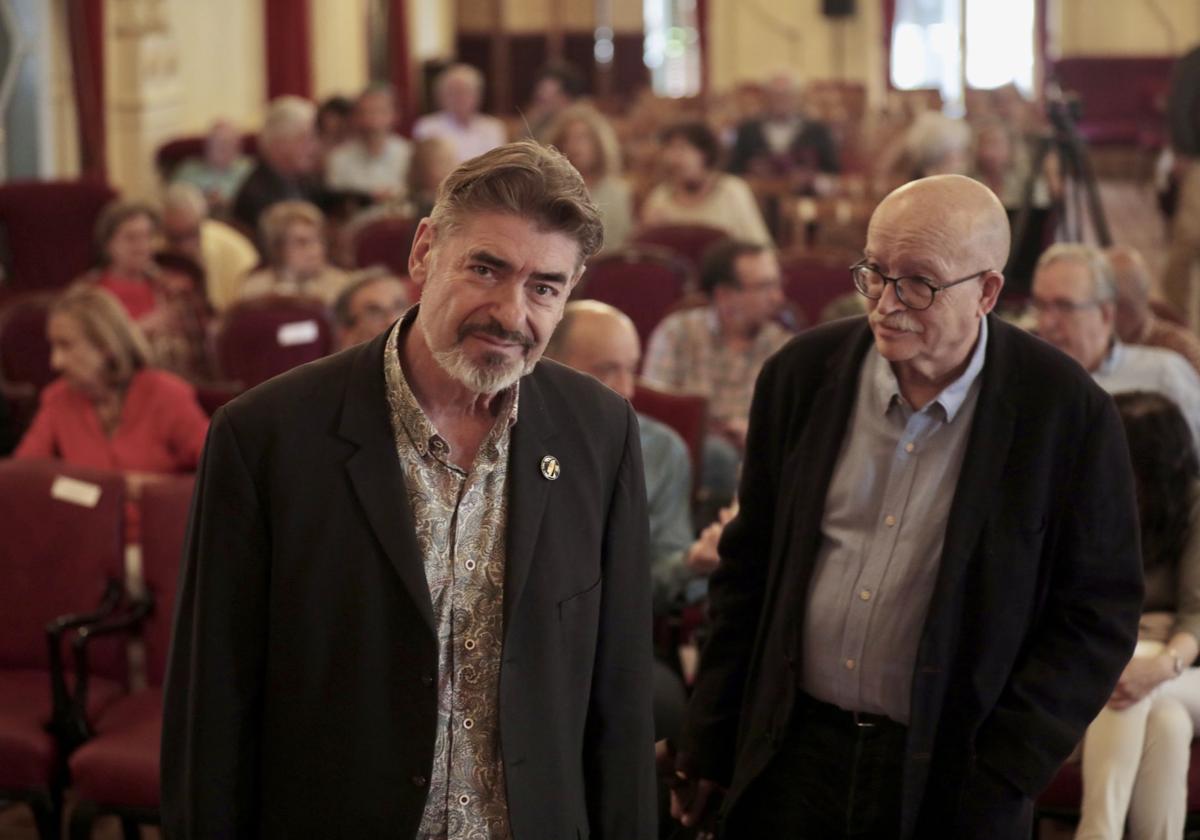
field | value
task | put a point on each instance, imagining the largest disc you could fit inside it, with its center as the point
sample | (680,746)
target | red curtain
(889,22)
(289,47)
(702,37)
(85,24)
(400,58)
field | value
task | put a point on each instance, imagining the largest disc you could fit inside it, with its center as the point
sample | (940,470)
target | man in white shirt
(1074,295)
(375,161)
(459,92)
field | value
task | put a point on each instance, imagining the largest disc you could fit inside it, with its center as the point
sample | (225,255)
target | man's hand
(1141,676)
(702,558)
(694,802)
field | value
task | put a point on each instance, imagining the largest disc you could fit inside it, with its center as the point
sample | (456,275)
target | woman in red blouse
(109,409)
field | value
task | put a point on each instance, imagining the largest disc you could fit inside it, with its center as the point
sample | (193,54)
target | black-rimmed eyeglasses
(915,292)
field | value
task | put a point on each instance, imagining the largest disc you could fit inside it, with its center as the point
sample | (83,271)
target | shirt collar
(1112,359)
(952,397)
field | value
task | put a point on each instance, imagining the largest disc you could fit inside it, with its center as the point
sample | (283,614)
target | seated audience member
(717,350)
(222,169)
(600,340)
(288,161)
(335,125)
(589,142)
(997,163)
(1074,295)
(696,192)
(110,408)
(1136,322)
(371,302)
(293,239)
(558,86)
(170,311)
(1136,752)
(459,93)
(375,160)
(783,141)
(432,160)
(225,255)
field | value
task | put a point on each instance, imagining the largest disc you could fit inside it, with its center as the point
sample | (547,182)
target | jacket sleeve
(735,595)
(1088,625)
(213,691)
(619,750)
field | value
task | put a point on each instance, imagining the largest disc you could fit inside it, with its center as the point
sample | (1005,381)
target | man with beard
(933,581)
(416,599)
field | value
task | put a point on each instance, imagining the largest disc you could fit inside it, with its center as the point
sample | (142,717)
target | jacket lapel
(527,490)
(375,472)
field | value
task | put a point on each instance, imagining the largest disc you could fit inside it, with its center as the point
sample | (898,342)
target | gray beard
(497,373)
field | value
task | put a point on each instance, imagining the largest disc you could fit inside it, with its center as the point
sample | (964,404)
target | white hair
(466,72)
(180,195)
(287,115)
(495,374)
(1104,284)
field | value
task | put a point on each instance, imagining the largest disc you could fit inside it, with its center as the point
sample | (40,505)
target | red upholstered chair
(386,240)
(61,553)
(1061,800)
(174,152)
(264,337)
(116,770)
(644,282)
(687,414)
(688,241)
(24,352)
(47,229)
(812,284)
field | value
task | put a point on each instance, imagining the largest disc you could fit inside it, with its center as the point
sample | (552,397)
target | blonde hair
(522,179)
(109,329)
(274,224)
(286,115)
(602,135)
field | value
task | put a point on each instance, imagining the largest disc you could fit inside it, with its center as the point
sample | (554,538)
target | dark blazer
(811,148)
(1036,605)
(300,698)
(264,186)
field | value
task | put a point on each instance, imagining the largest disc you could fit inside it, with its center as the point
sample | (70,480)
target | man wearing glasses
(1075,298)
(933,581)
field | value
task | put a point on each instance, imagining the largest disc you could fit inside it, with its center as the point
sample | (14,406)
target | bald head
(599,340)
(1132,280)
(957,217)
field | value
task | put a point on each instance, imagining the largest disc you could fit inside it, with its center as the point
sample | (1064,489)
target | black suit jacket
(811,148)
(264,186)
(300,698)
(1036,604)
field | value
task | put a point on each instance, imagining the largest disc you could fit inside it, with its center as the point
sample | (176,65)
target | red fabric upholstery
(385,241)
(119,767)
(174,152)
(24,347)
(288,30)
(1119,95)
(1065,792)
(688,241)
(47,230)
(27,750)
(253,344)
(811,285)
(55,557)
(165,506)
(643,282)
(687,414)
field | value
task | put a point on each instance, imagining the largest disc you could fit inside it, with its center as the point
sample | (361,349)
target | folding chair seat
(643,282)
(265,337)
(687,241)
(386,240)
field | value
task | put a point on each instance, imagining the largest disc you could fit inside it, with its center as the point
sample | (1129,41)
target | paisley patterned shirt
(461,522)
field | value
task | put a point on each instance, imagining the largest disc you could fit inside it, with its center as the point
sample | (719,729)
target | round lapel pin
(550,468)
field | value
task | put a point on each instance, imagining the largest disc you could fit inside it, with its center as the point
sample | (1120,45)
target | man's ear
(993,283)
(422,252)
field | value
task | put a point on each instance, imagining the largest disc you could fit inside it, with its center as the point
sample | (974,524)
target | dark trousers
(836,775)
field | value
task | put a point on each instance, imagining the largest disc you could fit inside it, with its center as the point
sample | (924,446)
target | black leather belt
(844,718)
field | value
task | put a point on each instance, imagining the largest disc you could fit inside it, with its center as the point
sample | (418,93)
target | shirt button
(889,520)
(469,644)
(908,447)
(850,664)
(468,723)
(470,564)
(419,781)
(865,595)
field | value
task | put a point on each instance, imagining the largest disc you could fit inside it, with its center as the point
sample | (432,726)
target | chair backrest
(687,414)
(264,337)
(687,241)
(812,284)
(165,504)
(174,152)
(643,282)
(24,347)
(47,229)
(62,539)
(386,240)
